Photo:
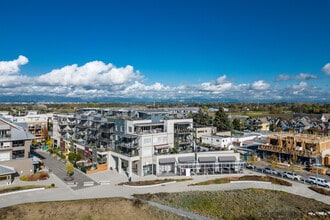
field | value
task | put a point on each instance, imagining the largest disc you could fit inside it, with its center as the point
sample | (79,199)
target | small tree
(69,168)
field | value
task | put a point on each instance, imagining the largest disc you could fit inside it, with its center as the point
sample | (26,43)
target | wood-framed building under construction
(305,147)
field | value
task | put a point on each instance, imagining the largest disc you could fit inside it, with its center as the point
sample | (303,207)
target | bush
(320,190)
(36,176)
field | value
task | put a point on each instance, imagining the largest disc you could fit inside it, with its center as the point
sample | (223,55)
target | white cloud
(305,76)
(326,69)
(12,67)
(260,85)
(283,77)
(92,74)
(301,86)
(97,79)
(221,79)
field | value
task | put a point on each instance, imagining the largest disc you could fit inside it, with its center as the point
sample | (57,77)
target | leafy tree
(49,142)
(221,120)
(73,157)
(69,168)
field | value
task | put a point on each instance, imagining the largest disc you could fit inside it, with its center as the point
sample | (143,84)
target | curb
(22,191)
(145,186)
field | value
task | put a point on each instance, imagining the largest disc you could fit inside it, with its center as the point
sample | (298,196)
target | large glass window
(18,154)
(18,143)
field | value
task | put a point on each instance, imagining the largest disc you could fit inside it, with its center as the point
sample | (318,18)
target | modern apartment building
(32,122)
(132,140)
(15,145)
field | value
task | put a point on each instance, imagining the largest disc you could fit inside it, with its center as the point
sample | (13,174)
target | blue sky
(244,50)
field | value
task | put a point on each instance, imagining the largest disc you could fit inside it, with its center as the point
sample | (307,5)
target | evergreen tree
(236,124)
(201,118)
(221,120)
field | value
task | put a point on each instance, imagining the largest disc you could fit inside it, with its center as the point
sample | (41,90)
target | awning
(227,158)
(167,160)
(207,159)
(187,159)
(164,146)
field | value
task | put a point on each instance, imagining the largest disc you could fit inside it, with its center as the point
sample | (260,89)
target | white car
(291,175)
(270,171)
(318,181)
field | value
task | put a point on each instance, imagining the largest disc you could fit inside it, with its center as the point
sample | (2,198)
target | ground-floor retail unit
(187,164)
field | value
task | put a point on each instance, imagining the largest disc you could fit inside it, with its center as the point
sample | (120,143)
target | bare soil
(111,208)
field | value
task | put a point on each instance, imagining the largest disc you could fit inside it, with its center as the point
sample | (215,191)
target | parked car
(318,181)
(250,166)
(291,175)
(270,171)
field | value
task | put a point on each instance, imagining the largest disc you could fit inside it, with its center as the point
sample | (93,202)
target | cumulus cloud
(221,79)
(97,79)
(326,69)
(92,74)
(305,76)
(283,77)
(260,85)
(300,86)
(220,85)
(12,67)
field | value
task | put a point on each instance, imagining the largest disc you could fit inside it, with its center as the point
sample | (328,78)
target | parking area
(297,174)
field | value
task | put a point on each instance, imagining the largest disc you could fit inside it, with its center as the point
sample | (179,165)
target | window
(18,154)
(18,143)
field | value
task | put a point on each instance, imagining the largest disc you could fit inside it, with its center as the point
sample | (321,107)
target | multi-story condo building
(135,141)
(34,123)
(63,129)
(15,146)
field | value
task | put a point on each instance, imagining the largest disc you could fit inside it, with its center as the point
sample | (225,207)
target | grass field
(241,204)
(238,204)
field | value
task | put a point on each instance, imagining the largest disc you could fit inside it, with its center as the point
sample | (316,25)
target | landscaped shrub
(320,190)
(36,176)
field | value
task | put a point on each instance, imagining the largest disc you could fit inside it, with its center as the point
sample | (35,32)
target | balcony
(126,151)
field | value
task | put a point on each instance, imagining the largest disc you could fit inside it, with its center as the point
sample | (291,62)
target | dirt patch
(112,208)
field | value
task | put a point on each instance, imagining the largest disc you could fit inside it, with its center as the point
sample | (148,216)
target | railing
(129,154)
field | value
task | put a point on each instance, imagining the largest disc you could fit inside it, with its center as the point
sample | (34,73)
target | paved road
(58,168)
